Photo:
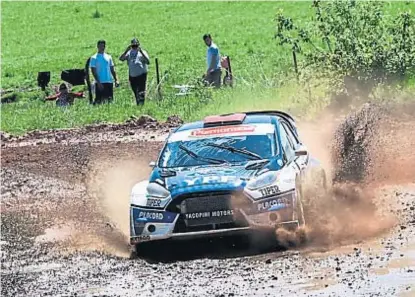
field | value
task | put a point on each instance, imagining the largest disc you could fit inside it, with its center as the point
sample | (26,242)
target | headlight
(156,196)
(152,195)
(263,180)
(155,190)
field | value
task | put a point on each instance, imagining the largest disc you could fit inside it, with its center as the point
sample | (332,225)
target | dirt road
(65,215)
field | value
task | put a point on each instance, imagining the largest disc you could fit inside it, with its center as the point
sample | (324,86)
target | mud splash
(347,213)
(82,228)
(76,196)
(111,187)
(108,190)
(358,153)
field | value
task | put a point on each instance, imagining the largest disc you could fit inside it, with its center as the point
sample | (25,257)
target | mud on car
(223,175)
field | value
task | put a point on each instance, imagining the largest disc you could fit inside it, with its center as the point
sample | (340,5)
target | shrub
(352,44)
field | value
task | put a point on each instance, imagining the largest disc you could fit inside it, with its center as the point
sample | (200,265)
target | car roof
(249,119)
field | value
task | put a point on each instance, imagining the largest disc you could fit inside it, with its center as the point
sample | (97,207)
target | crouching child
(64,97)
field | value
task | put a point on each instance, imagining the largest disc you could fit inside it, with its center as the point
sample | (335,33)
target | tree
(353,45)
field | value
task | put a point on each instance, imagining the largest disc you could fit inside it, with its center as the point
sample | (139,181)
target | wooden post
(88,81)
(230,71)
(158,77)
(295,64)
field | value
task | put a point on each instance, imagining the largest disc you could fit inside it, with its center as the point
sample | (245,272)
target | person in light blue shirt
(214,71)
(102,67)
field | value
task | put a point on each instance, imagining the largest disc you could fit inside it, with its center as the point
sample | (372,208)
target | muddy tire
(133,254)
(241,242)
(138,250)
(262,241)
(299,209)
(309,189)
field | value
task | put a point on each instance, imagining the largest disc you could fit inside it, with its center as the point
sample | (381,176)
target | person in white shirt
(138,61)
(102,67)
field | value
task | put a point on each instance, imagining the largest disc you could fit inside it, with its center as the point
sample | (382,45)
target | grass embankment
(47,36)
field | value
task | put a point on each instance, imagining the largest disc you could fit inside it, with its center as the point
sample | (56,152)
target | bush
(352,44)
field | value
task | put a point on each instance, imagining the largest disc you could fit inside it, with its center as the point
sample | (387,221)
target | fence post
(158,77)
(295,64)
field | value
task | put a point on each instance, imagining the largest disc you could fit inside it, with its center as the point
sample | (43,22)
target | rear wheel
(309,189)
(299,208)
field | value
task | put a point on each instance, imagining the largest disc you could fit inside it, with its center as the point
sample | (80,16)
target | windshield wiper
(257,165)
(236,150)
(196,156)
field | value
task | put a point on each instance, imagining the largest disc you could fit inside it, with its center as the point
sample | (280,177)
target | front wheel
(133,252)
(139,249)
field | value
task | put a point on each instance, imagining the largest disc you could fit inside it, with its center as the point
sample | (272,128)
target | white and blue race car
(223,175)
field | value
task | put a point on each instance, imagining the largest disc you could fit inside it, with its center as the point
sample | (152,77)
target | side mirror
(152,164)
(301,151)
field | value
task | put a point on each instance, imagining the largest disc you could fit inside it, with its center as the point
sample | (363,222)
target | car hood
(208,178)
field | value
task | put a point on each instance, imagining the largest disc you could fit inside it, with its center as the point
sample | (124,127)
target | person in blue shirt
(214,72)
(102,67)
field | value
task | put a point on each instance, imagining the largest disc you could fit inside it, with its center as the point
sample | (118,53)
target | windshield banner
(237,130)
(222,130)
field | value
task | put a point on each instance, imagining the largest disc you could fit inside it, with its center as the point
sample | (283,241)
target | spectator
(102,66)
(64,97)
(214,72)
(138,61)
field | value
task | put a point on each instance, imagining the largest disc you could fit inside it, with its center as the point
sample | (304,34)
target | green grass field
(48,36)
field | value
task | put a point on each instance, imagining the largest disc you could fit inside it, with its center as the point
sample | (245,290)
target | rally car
(223,175)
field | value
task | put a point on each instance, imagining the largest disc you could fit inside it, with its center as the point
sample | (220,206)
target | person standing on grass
(214,72)
(138,61)
(102,67)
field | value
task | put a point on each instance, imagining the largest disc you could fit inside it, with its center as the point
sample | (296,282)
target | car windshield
(218,150)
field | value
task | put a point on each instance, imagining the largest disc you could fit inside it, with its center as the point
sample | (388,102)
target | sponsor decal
(209,214)
(144,215)
(153,202)
(140,238)
(222,213)
(222,130)
(210,180)
(271,190)
(210,171)
(282,202)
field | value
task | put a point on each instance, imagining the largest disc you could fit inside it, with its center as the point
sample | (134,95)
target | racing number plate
(140,238)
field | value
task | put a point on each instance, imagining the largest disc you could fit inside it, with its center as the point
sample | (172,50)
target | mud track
(63,231)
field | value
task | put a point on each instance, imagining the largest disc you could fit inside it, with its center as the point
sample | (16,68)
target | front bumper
(216,219)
